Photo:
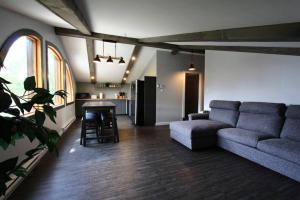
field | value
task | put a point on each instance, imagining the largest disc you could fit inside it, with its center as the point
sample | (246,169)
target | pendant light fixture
(122,61)
(192,66)
(110,59)
(97,59)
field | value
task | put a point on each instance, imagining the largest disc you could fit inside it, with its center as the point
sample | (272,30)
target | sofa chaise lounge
(266,133)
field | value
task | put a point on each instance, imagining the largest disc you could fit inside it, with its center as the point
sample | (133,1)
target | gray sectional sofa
(266,133)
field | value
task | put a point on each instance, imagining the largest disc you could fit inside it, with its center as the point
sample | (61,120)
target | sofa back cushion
(291,127)
(262,117)
(224,111)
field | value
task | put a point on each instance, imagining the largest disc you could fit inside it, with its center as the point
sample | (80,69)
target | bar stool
(90,122)
(107,122)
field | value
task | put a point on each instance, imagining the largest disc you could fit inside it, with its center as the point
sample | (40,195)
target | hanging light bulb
(97,59)
(109,60)
(191,67)
(122,61)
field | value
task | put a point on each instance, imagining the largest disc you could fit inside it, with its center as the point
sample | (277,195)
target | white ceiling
(77,54)
(149,18)
(112,72)
(33,9)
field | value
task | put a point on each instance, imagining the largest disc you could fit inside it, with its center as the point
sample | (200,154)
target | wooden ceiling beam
(121,39)
(135,53)
(289,32)
(68,11)
(250,49)
(90,52)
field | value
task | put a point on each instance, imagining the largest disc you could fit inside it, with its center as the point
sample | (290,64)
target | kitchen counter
(121,105)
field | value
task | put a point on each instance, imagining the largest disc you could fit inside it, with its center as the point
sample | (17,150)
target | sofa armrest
(194,116)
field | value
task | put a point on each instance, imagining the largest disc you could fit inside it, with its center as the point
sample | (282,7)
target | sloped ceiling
(145,18)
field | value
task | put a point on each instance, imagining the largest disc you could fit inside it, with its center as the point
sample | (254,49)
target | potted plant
(14,125)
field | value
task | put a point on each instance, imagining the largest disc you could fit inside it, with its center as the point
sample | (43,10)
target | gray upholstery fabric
(283,148)
(270,124)
(242,136)
(275,163)
(225,116)
(197,128)
(293,111)
(228,105)
(263,108)
(291,127)
(261,117)
(194,116)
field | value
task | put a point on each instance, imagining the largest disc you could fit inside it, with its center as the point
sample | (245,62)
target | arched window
(55,72)
(21,54)
(69,85)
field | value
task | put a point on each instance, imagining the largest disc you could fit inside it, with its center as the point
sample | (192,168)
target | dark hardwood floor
(147,164)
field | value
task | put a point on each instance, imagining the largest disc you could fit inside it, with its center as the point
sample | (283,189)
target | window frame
(68,69)
(53,48)
(37,40)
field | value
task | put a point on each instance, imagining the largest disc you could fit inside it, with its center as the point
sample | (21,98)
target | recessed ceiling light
(124,78)
(127,71)
(92,77)
(133,58)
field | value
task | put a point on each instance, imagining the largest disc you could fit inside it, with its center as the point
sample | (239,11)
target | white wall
(251,77)
(171,74)
(11,22)
(151,68)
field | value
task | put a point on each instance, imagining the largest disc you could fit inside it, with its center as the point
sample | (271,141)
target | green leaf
(17,101)
(3,144)
(42,98)
(27,106)
(29,83)
(5,101)
(8,165)
(2,80)
(61,93)
(13,111)
(3,186)
(41,91)
(40,118)
(50,112)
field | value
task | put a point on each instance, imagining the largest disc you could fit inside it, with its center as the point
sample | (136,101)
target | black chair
(90,125)
(107,123)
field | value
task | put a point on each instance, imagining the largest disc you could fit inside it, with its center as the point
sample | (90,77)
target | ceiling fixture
(124,78)
(110,59)
(92,77)
(122,61)
(127,71)
(192,66)
(133,58)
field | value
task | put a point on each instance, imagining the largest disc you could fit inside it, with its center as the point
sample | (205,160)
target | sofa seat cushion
(197,128)
(282,148)
(242,136)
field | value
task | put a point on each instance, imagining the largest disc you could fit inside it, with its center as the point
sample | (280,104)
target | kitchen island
(121,105)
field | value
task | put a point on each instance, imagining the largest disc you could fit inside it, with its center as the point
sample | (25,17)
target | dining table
(103,106)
